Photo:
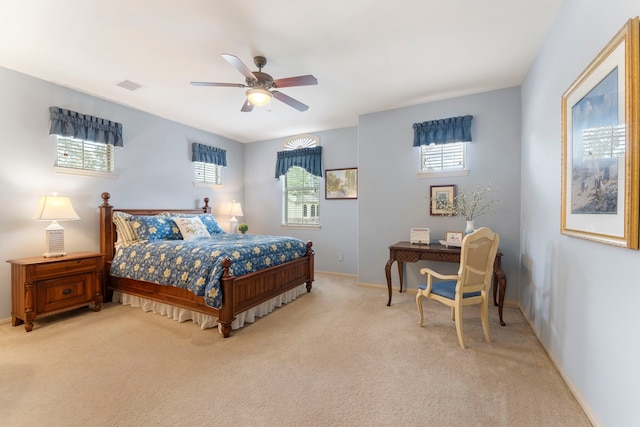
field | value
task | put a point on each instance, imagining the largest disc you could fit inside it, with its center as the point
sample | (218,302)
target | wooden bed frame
(238,293)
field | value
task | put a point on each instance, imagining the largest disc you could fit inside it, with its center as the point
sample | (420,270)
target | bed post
(225,317)
(206,208)
(310,254)
(106,243)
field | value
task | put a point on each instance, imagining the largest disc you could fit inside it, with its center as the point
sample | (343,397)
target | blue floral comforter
(197,264)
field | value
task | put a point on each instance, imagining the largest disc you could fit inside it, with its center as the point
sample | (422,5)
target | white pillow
(191,228)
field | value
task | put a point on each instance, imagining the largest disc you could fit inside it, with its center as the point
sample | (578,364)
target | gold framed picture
(600,134)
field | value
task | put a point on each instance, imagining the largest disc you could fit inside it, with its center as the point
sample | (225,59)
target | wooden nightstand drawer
(43,286)
(61,268)
(57,294)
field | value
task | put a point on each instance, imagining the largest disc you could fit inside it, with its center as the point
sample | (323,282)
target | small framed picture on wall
(441,199)
(341,184)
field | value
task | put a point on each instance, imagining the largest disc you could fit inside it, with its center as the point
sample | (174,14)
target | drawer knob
(66,292)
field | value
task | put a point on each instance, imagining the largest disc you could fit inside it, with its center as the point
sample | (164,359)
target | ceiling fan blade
(247,107)
(290,101)
(218,84)
(307,80)
(239,65)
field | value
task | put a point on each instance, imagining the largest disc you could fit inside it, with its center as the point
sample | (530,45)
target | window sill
(206,184)
(71,171)
(461,172)
(300,227)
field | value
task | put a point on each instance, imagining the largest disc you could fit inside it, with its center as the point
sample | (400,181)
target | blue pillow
(210,222)
(155,228)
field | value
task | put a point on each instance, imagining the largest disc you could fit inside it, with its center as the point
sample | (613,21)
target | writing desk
(402,252)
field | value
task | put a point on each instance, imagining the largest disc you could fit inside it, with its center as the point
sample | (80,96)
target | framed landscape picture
(600,182)
(341,183)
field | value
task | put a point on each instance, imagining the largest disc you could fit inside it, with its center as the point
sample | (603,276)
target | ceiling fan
(260,84)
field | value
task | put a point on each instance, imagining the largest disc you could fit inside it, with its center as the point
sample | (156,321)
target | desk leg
(499,281)
(387,272)
(400,265)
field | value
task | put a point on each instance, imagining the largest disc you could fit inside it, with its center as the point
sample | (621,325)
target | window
(300,198)
(300,189)
(443,157)
(207,163)
(84,143)
(207,173)
(443,145)
(84,155)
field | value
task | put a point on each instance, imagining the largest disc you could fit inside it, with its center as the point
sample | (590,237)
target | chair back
(477,257)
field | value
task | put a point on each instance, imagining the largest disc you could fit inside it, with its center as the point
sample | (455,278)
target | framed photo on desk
(453,237)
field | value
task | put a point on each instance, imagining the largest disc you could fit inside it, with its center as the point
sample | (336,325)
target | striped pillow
(126,233)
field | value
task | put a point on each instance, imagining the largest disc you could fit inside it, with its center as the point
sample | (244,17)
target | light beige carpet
(335,357)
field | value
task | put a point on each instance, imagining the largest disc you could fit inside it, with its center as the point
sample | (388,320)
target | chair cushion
(447,289)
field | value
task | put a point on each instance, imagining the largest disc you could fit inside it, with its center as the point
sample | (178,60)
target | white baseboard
(333,273)
(574,390)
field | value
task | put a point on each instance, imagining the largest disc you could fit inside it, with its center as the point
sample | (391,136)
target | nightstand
(44,286)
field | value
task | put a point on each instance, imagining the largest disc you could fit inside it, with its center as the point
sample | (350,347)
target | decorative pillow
(125,231)
(155,228)
(120,214)
(208,220)
(191,228)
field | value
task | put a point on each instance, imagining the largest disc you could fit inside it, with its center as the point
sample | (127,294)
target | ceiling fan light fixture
(259,96)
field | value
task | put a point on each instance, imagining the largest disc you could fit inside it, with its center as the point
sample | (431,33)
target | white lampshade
(259,96)
(55,208)
(236,210)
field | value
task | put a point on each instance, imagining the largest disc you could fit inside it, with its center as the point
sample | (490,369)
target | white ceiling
(367,55)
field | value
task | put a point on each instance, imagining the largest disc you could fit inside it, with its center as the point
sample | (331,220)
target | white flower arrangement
(469,203)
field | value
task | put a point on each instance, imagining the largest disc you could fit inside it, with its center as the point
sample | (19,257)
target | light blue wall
(154,169)
(338,218)
(582,297)
(393,199)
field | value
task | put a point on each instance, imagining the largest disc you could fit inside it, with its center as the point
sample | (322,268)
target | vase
(470,227)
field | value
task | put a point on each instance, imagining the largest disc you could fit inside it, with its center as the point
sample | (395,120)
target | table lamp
(55,208)
(236,210)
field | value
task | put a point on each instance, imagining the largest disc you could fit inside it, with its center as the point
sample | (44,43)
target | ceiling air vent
(129,85)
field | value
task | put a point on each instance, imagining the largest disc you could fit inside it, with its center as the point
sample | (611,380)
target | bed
(236,295)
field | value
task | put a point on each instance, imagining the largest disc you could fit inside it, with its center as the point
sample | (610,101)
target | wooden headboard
(108,234)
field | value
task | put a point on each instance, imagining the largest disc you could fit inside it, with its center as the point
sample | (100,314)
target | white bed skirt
(207,321)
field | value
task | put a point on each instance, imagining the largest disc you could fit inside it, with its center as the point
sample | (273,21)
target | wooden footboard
(238,293)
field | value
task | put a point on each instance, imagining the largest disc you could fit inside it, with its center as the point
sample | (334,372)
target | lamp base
(54,241)
(53,255)
(233,225)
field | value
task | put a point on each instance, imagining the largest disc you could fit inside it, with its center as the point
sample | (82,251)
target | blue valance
(443,131)
(310,159)
(85,127)
(208,154)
